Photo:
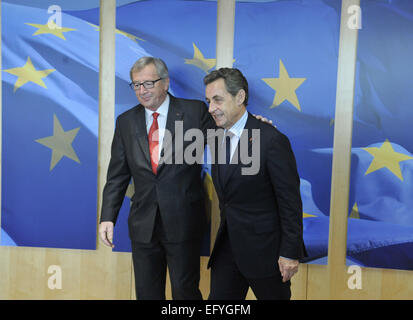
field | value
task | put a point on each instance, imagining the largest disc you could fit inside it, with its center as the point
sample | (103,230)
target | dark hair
(233,78)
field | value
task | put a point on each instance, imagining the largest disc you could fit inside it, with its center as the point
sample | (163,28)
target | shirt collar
(238,126)
(162,110)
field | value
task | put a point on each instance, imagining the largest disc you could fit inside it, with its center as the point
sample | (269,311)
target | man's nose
(211,107)
(141,89)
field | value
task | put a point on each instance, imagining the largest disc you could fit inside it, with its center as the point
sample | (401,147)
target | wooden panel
(370,285)
(376,284)
(85,274)
(343,124)
(317,282)
(394,284)
(225,33)
(299,283)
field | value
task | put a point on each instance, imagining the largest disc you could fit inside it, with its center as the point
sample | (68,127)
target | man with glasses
(167,219)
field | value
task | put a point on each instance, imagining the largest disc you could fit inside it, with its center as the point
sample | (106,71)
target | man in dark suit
(260,238)
(167,219)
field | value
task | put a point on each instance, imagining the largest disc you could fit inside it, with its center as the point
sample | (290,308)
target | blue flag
(382,155)
(292,74)
(288,51)
(50,125)
(173,31)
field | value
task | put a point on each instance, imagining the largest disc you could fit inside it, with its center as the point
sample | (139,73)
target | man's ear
(240,97)
(166,83)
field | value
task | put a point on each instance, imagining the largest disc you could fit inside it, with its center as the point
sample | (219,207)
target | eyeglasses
(146,84)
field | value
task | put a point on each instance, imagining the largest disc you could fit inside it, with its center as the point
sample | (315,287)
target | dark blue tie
(223,168)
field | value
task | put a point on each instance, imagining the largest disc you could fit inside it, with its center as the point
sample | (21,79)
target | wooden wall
(103,274)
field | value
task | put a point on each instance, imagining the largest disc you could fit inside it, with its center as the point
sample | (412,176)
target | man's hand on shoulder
(263,119)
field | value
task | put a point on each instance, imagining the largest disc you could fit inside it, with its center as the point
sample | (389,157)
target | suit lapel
(214,168)
(236,158)
(142,135)
(175,113)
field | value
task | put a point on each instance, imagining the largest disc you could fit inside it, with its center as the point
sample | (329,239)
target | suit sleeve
(118,178)
(282,168)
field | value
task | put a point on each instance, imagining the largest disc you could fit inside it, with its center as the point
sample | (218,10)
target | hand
(106,233)
(263,119)
(288,268)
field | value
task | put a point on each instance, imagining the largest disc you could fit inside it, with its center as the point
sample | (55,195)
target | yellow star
(307,215)
(60,143)
(386,157)
(128,35)
(123,33)
(284,87)
(209,186)
(355,212)
(50,28)
(199,60)
(130,191)
(28,73)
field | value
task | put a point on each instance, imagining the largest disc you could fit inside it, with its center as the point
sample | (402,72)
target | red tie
(154,142)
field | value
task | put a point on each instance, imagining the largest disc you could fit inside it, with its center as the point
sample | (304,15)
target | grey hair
(159,64)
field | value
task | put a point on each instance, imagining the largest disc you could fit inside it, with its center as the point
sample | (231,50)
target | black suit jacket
(262,212)
(177,189)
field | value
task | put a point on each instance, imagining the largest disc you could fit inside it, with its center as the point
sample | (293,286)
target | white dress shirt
(236,131)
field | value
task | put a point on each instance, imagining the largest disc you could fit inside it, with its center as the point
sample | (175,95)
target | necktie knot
(229,135)
(155,115)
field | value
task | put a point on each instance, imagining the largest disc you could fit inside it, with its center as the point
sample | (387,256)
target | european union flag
(288,51)
(382,155)
(173,31)
(292,75)
(50,124)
